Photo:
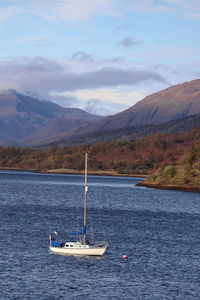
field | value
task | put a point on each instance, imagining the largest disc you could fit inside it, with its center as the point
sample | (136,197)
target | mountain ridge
(28,121)
(173,103)
(132,132)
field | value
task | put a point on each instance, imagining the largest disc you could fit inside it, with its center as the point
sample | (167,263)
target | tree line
(125,157)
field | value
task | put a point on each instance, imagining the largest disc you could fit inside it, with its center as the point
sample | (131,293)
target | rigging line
(77,223)
(90,217)
(81,221)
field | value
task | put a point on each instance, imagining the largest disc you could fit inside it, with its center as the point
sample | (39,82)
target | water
(159,231)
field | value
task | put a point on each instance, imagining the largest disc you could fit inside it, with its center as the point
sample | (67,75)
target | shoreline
(76,172)
(183,188)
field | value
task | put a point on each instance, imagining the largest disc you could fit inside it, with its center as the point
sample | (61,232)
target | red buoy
(125,256)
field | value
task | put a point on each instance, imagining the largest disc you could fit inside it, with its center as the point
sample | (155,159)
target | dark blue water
(159,231)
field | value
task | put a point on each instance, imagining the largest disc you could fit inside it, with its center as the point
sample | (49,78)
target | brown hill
(131,133)
(173,103)
(176,102)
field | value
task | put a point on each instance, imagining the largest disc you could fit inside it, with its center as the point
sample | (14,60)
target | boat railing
(101,243)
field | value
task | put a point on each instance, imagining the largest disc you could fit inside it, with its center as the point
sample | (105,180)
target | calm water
(159,231)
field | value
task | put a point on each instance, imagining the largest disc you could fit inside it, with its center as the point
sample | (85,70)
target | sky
(102,56)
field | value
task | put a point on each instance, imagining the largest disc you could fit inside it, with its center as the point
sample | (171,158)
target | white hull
(81,247)
(96,251)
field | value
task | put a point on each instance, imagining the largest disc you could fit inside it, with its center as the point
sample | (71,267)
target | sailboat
(82,246)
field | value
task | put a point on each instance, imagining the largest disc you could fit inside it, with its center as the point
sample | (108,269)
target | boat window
(71,245)
(66,245)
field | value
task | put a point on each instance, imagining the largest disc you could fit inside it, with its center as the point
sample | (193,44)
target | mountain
(25,120)
(28,121)
(132,133)
(173,103)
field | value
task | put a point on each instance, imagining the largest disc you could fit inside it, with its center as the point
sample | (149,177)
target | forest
(142,156)
(184,176)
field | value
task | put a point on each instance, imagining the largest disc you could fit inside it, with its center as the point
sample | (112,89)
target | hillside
(184,176)
(173,103)
(24,119)
(131,133)
(171,161)
(144,155)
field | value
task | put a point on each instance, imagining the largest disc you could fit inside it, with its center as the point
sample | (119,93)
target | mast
(85,200)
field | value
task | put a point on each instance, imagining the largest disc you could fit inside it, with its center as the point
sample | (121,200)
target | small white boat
(82,247)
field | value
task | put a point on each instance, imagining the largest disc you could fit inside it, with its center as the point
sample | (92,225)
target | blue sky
(99,55)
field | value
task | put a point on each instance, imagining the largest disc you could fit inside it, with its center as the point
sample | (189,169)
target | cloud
(108,101)
(190,8)
(103,101)
(9,12)
(129,42)
(149,6)
(82,57)
(49,76)
(68,10)
(172,53)
(102,108)
(82,10)
(111,88)
(83,61)
(64,100)
(113,60)
(98,101)
(125,27)
(39,41)
(125,96)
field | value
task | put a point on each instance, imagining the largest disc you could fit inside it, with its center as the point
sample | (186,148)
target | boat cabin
(75,245)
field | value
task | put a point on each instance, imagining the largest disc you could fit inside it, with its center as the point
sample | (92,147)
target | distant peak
(9,92)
